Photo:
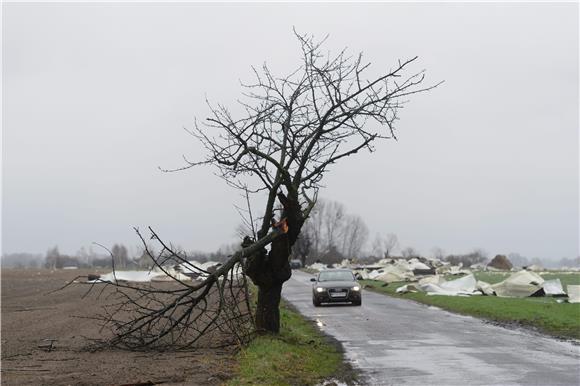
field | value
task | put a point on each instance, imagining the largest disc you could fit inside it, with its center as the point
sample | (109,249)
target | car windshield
(335,276)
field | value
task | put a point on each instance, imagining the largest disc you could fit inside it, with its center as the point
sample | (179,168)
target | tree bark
(272,270)
(269,270)
(268,310)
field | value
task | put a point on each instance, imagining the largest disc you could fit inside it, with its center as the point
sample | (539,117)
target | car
(295,264)
(336,286)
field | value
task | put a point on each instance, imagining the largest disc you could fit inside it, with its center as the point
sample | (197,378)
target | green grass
(299,355)
(545,314)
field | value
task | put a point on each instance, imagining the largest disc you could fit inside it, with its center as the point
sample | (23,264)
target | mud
(46,339)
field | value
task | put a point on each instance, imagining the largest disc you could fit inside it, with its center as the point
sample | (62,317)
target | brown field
(30,316)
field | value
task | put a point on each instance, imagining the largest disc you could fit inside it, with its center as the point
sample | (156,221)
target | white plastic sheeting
(433,279)
(436,285)
(345,263)
(535,268)
(573,293)
(198,271)
(140,276)
(452,270)
(399,271)
(553,288)
(519,285)
(416,264)
(463,286)
(384,262)
(406,288)
(374,273)
(192,267)
(318,266)
(362,273)
(485,288)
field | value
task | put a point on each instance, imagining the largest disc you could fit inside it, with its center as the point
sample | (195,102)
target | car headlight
(319,289)
(356,288)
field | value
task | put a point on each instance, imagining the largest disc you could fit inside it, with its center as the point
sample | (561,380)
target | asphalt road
(400,342)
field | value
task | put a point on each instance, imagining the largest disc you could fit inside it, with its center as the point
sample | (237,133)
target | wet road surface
(400,342)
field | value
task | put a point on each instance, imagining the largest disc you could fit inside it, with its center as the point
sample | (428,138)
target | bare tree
(334,216)
(390,243)
(121,256)
(303,245)
(52,260)
(291,130)
(409,253)
(354,235)
(334,234)
(477,256)
(315,227)
(377,246)
(279,147)
(518,260)
(438,253)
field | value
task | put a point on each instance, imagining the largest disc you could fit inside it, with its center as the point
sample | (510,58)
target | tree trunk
(269,270)
(268,310)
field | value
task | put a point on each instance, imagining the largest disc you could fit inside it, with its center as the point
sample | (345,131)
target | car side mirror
(312,279)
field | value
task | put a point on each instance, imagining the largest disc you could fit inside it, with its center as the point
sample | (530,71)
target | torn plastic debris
(573,293)
(519,285)
(464,286)
(317,266)
(138,276)
(485,288)
(407,288)
(553,288)
(436,285)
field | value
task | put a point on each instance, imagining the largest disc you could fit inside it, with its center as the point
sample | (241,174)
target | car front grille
(338,293)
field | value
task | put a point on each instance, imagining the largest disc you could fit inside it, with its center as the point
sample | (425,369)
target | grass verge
(299,355)
(543,314)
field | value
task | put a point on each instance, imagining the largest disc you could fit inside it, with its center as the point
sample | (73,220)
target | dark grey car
(336,286)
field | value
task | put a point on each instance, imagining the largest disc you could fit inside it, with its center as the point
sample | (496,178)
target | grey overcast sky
(96,96)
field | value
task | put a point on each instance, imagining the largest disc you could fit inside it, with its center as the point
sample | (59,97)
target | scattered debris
(485,288)
(573,293)
(139,276)
(464,286)
(519,285)
(553,288)
(318,266)
(534,268)
(395,272)
(426,275)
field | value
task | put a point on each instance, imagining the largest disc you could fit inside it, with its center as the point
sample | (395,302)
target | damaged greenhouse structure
(436,277)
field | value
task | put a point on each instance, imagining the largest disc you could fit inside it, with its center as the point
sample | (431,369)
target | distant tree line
(329,236)
(478,256)
(119,256)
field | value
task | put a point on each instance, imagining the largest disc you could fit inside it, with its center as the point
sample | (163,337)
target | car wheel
(358,302)
(316,302)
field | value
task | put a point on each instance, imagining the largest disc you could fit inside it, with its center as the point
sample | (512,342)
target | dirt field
(29,316)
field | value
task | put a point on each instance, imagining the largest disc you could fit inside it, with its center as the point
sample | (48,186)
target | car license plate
(338,294)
